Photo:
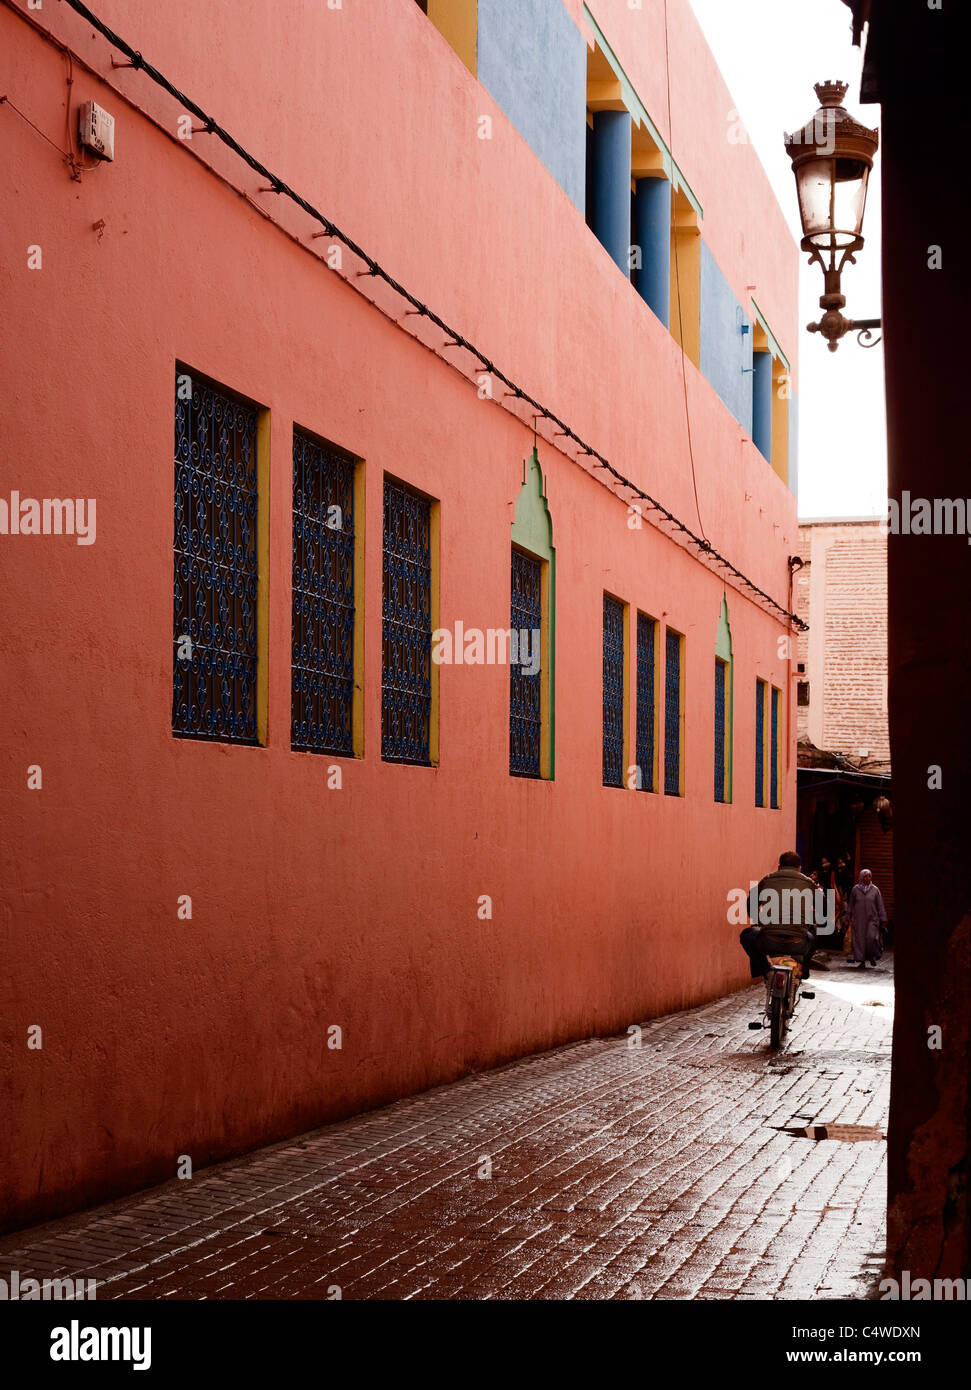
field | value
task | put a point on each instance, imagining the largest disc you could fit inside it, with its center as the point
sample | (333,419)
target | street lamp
(831,159)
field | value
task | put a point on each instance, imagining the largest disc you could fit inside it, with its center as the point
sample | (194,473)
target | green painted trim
(773,340)
(638,111)
(723,642)
(532,530)
(723,649)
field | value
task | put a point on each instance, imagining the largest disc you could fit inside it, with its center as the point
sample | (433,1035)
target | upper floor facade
(568,185)
(622,103)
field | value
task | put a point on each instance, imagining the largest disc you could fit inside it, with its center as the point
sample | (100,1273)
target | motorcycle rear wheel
(777,1026)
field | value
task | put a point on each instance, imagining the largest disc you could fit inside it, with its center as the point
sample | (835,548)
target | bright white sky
(770,53)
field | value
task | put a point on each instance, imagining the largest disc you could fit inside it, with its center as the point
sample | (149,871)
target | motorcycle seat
(788,961)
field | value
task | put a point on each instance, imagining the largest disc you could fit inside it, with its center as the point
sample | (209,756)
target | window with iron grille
(673,713)
(760,697)
(774,748)
(214,687)
(647,701)
(613,693)
(525,685)
(322,657)
(721,730)
(802,693)
(406,681)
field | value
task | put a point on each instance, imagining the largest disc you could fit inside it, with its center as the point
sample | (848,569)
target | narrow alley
(649,1165)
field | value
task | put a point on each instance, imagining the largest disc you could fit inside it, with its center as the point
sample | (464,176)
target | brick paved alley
(616,1172)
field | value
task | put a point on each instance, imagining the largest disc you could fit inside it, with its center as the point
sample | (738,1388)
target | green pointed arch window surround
(532,547)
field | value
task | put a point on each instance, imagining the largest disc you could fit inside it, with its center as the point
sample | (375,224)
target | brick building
(843,765)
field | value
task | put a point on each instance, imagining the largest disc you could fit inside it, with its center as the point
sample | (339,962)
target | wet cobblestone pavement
(596,1171)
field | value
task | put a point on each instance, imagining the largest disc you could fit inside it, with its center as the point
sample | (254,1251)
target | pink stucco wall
(355,907)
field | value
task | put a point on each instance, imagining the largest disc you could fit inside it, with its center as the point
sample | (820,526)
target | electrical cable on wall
(453,339)
(70,159)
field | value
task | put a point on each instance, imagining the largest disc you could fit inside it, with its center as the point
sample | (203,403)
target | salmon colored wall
(314,907)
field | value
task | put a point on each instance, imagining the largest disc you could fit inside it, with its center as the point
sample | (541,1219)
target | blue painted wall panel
(533,61)
(725,350)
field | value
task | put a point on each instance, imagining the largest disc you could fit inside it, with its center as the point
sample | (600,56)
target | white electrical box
(96,130)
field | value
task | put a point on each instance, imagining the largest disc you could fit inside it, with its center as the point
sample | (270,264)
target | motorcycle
(782,981)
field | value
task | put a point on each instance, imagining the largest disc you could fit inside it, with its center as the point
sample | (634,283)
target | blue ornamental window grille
(774,749)
(646,699)
(406,685)
(525,687)
(759,743)
(216,569)
(721,675)
(672,713)
(613,693)
(322,658)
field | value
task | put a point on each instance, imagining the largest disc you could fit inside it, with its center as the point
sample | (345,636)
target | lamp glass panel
(814,181)
(851,200)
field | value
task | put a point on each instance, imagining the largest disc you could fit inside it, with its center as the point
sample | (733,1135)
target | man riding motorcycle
(788,906)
